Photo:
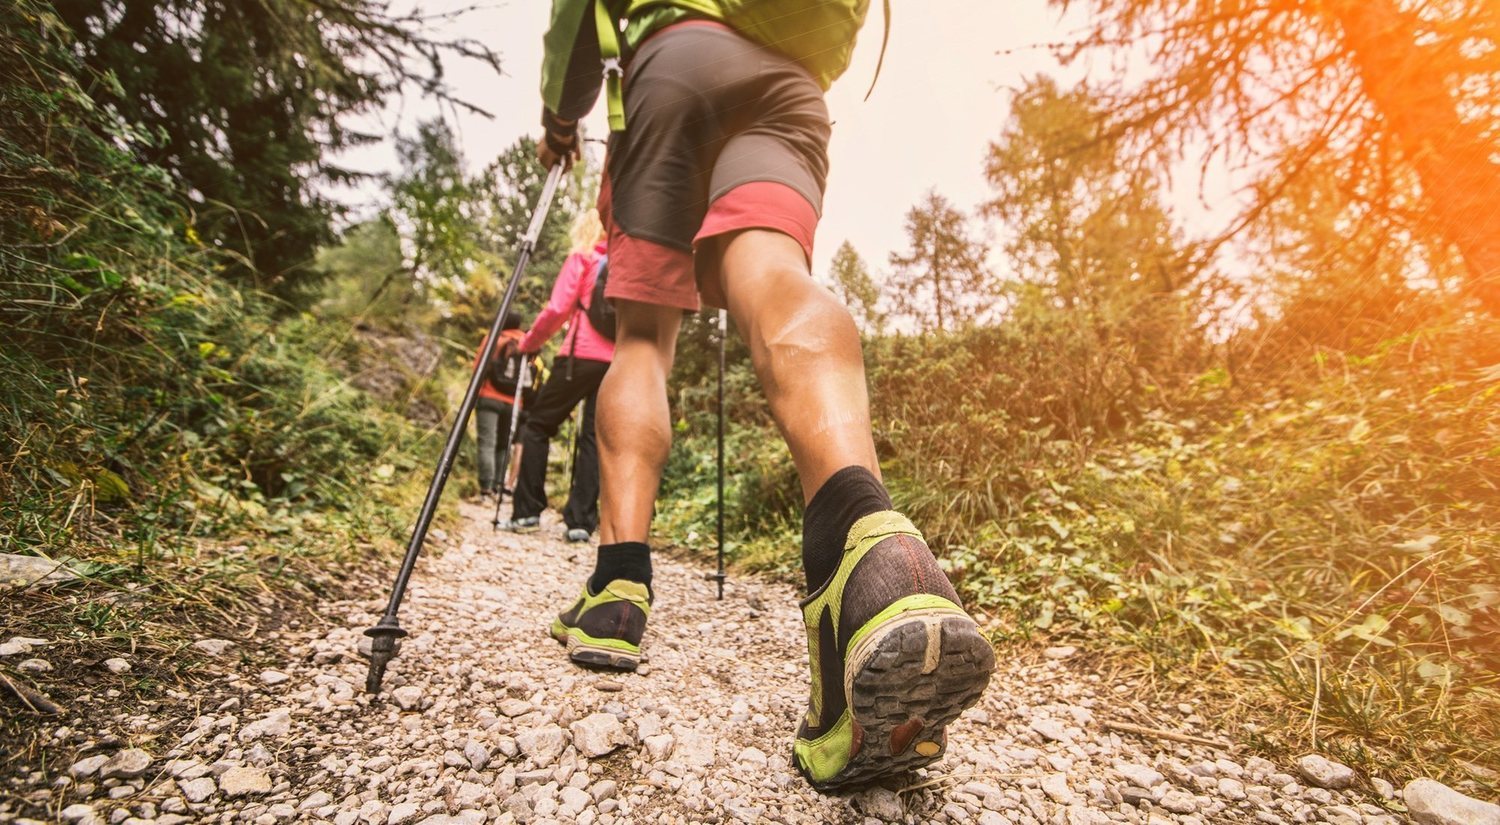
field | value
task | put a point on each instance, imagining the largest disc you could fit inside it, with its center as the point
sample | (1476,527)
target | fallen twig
(1158,733)
(31,698)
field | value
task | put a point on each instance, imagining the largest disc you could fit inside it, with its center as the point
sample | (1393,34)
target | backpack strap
(885,40)
(614,72)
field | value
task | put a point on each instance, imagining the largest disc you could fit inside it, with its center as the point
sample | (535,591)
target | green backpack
(819,34)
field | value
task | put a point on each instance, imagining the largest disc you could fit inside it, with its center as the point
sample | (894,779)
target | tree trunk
(1452,158)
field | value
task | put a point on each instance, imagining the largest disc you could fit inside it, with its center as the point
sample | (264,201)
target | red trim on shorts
(642,270)
(653,273)
(755,205)
(649,272)
(762,204)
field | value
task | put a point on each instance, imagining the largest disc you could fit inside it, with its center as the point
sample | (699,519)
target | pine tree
(1080,218)
(942,283)
(1388,96)
(1084,228)
(507,191)
(251,98)
(852,283)
(439,207)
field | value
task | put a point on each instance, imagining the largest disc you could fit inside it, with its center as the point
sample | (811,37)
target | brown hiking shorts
(722,134)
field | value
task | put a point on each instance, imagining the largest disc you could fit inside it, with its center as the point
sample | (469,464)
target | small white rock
(477,755)
(242,781)
(87,766)
(127,764)
(117,665)
(315,801)
(77,812)
(273,677)
(275,724)
(574,801)
(1179,802)
(1055,786)
(659,747)
(35,665)
(1432,803)
(197,790)
(14,647)
(1324,772)
(213,647)
(408,697)
(1051,730)
(543,745)
(1139,775)
(598,734)
(402,813)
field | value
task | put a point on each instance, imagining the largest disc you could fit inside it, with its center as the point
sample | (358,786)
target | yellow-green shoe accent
(894,659)
(604,629)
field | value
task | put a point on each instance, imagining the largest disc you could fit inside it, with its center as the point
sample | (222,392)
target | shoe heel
(906,681)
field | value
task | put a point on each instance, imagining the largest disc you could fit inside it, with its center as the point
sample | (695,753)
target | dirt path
(483,719)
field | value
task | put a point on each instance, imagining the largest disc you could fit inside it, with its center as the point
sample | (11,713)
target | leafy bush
(145,402)
(1316,530)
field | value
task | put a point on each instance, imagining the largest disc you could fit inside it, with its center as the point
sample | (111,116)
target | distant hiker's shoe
(578,534)
(605,629)
(894,659)
(529,524)
(486,497)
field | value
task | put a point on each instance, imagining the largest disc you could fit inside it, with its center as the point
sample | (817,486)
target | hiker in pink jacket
(576,372)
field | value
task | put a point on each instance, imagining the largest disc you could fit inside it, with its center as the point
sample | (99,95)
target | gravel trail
(483,719)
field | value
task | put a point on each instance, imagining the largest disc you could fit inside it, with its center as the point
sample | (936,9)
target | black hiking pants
(554,403)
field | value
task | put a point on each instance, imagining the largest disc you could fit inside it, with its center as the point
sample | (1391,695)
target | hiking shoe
(894,659)
(578,534)
(605,630)
(529,524)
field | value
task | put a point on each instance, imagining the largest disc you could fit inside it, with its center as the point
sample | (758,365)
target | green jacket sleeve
(571,71)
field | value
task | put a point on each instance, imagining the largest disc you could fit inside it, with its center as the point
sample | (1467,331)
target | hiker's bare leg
(806,352)
(633,421)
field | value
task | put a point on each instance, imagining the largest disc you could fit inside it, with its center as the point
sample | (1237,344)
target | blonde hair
(587,231)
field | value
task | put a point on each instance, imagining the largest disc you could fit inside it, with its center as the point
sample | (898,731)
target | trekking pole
(723,334)
(573,446)
(385,634)
(510,439)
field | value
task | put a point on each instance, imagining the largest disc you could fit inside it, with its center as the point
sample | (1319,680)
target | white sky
(941,98)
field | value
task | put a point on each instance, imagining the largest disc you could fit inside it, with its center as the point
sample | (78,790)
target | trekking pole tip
(385,643)
(719,577)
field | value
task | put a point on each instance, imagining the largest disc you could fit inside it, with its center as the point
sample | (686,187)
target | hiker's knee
(810,333)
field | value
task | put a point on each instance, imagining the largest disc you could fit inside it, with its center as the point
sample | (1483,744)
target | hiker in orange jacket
(492,413)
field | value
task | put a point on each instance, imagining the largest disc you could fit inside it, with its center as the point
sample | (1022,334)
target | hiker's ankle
(847,496)
(629,560)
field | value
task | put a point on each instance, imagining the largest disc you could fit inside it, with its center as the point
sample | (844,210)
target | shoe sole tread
(907,682)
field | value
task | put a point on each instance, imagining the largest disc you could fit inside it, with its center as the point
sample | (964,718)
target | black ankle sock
(847,496)
(629,560)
